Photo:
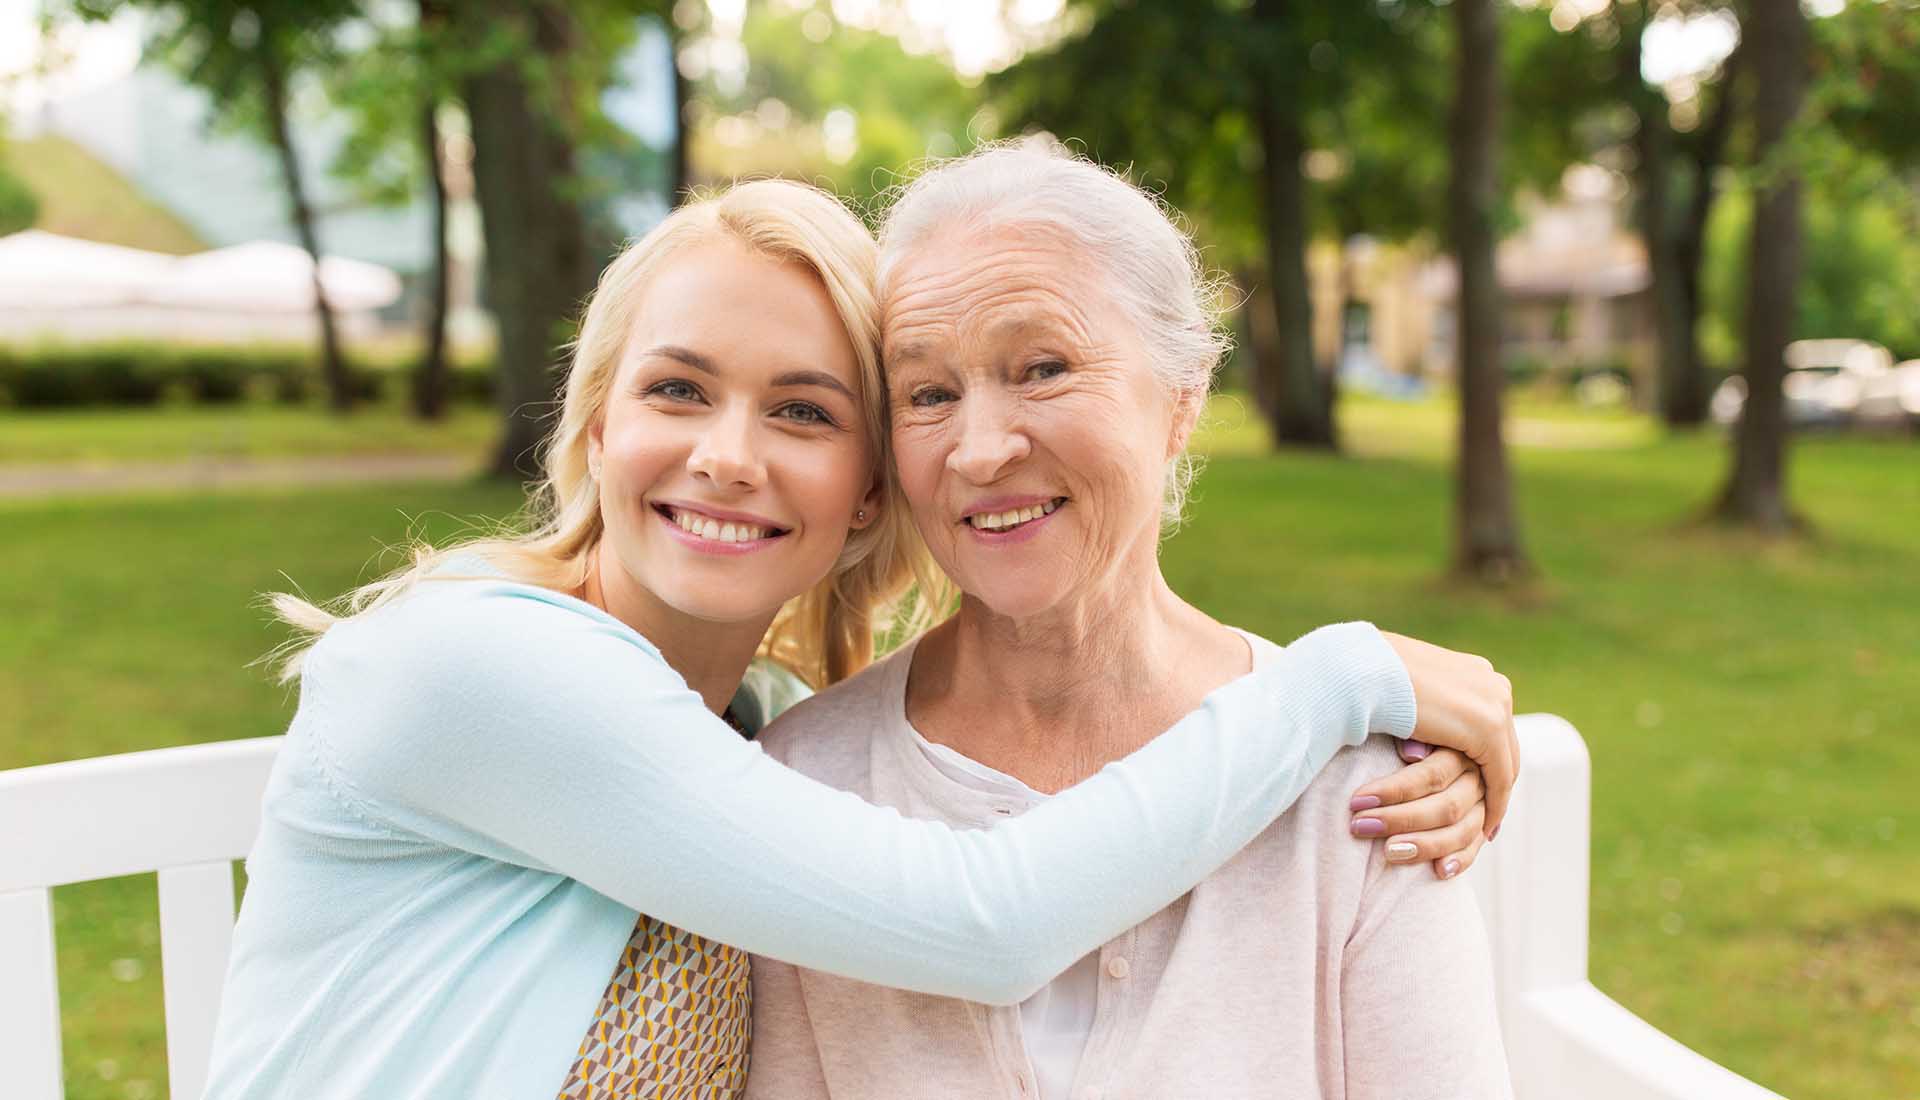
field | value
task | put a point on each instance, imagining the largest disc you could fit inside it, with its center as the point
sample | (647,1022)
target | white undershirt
(1056,1022)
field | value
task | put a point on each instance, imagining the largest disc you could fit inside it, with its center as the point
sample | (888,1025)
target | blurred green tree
(1862,254)
(530,76)
(840,105)
(246,54)
(392,91)
(546,67)
(1225,101)
(19,209)
(1867,67)
(1588,98)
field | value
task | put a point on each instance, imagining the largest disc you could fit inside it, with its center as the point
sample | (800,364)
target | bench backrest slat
(29,998)
(196,937)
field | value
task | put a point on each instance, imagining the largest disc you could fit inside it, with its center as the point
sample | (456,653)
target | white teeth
(1000,521)
(718,530)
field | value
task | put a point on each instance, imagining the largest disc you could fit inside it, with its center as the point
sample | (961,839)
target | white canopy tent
(269,275)
(40,270)
(64,288)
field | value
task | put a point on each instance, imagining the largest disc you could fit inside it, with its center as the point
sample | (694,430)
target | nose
(725,454)
(991,439)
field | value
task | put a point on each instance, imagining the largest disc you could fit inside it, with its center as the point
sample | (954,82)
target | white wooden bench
(189,812)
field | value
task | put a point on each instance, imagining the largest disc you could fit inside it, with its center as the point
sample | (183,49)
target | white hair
(1152,269)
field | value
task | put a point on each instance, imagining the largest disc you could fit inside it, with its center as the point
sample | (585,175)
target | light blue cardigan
(486,781)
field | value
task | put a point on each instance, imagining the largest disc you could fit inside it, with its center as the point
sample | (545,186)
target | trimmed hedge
(133,374)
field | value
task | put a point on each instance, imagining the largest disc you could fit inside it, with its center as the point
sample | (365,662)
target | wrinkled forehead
(986,284)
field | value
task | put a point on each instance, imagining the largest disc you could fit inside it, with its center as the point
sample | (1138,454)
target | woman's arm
(508,723)
(1416,994)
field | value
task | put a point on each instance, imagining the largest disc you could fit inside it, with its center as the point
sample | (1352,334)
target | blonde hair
(822,635)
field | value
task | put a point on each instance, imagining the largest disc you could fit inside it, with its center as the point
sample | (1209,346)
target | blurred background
(1583,334)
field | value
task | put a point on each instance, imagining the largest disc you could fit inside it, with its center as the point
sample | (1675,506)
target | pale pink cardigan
(1306,967)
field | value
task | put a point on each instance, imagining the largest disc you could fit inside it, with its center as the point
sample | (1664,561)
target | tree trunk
(273,80)
(539,262)
(431,382)
(680,178)
(1677,397)
(1486,537)
(1755,493)
(1690,235)
(1292,393)
(1262,337)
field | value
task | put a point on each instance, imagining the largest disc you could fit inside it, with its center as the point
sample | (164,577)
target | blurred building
(1575,289)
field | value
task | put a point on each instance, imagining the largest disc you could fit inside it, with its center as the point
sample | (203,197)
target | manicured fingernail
(1369,826)
(1451,869)
(1401,851)
(1364,802)
(1415,750)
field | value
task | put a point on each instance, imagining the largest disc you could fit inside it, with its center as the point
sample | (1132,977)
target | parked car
(1825,383)
(1892,400)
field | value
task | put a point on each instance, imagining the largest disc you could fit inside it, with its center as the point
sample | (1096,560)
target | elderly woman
(1048,344)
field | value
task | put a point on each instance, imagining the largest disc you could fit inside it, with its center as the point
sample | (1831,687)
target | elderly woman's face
(1030,431)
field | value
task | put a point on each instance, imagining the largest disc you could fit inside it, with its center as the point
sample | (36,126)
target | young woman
(512,847)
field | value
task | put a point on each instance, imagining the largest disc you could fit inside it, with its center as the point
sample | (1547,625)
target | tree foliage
(19,208)
(1862,258)
(1867,69)
(841,105)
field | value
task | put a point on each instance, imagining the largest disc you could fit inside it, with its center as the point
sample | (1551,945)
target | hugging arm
(534,734)
(1448,802)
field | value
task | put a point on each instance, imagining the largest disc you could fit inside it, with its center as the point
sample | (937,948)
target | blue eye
(928,396)
(805,412)
(675,389)
(1051,368)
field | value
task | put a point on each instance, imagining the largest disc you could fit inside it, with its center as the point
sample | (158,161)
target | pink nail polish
(1451,869)
(1415,750)
(1364,802)
(1369,826)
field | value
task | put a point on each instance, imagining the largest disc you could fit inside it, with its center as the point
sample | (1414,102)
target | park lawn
(184,433)
(1749,707)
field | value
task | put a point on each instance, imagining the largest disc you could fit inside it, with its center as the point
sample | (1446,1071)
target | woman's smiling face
(1031,432)
(733,453)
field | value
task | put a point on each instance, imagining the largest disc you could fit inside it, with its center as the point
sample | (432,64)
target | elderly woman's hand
(1465,706)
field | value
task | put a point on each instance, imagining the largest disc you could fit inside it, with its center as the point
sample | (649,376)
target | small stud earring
(861,515)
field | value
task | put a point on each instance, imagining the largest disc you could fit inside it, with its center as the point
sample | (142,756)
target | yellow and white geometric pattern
(675,1022)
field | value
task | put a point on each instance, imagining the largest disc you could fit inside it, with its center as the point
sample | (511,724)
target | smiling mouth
(717,530)
(1000,522)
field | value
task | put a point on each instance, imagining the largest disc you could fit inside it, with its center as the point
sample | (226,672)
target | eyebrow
(705,365)
(688,356)
(917,349)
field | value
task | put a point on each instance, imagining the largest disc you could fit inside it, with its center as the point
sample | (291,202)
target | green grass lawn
(191,432)
(1751,709)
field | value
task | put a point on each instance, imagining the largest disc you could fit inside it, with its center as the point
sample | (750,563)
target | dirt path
(213,474)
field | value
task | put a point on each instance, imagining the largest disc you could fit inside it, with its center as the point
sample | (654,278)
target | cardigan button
(1118,966)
